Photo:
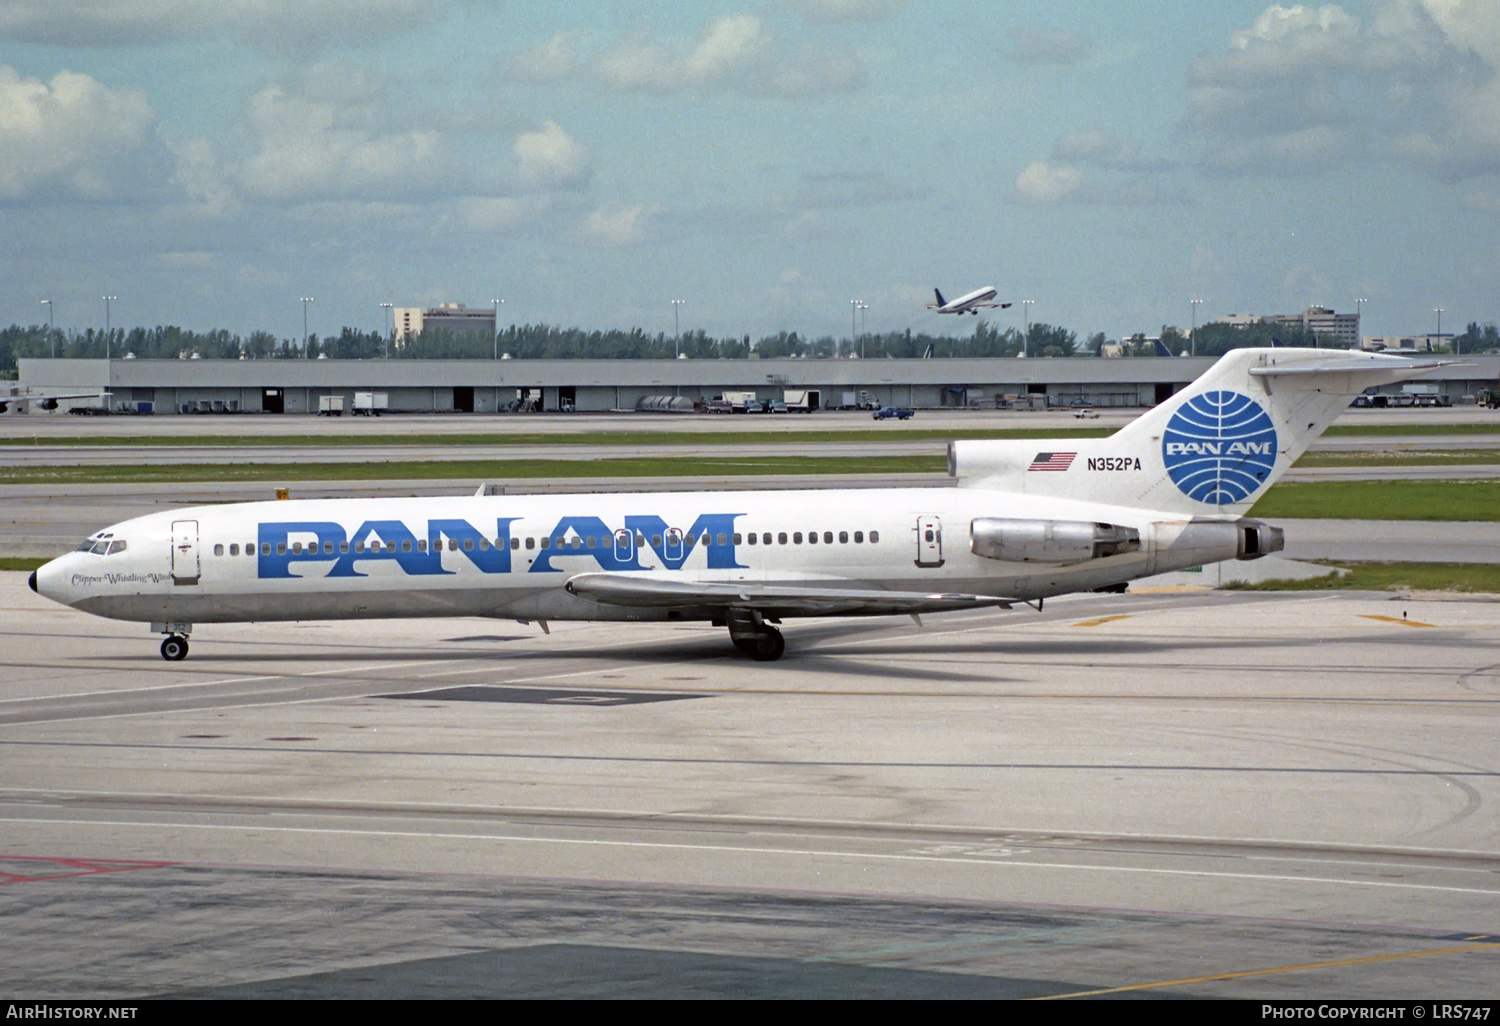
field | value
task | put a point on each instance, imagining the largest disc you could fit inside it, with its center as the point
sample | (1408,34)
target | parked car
(754,406)
(887,412)
(720,406)
(775,406)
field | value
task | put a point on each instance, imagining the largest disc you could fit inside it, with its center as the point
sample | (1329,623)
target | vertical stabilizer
(1213,448)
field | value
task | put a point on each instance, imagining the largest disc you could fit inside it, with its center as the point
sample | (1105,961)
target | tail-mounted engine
(1050,541)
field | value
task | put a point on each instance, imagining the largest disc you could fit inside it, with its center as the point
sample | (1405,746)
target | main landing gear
(754,637)
(175,648)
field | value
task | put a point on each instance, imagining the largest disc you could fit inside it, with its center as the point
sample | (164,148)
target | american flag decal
(1052,461)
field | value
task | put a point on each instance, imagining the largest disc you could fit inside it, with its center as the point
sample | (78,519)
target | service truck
(802,400)
(371,404)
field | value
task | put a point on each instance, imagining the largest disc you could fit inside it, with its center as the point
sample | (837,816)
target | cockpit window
(100,547)
(118,545)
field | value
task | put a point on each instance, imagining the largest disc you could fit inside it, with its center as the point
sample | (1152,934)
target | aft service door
(929,542)
(184,552)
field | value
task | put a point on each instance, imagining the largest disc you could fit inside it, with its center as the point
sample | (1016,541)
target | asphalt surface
(1267,796)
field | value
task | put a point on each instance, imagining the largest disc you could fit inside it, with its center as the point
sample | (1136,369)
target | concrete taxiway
(1206,794)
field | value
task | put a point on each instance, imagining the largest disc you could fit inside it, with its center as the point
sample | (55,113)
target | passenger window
(359,546)
(515,544)
(593,542)
(929,534)
(577,542)
(751,539)
(827,537)
(234,549)
(468,544)
(406,545)
(874,537)
(343,547)
(843,537)
(484,545)
(281,548)
(781,538)
(859,536)
(421,544)
(265,548)
(722,539)
(530,543)
(296,548)
(796,537)
(546,543)
(765,539)
(656,540)
(812,537)
(218,550)
(328,548)
(640,540)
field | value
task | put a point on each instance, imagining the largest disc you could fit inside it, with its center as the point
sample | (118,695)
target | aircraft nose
(32,580)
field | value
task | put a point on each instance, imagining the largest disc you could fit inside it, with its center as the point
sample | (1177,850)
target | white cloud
(1041,182)
(1102,149)
(549,158)
(547,61)
(622,225)
(1041,44)
(309,149)
(278,25)
(1305,89)
(850,10)
(734,52)
(203,178)
(68,136)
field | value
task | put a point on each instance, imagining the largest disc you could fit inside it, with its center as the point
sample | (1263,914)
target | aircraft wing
(770,599)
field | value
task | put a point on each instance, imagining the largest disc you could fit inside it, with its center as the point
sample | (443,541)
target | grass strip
(478,470)
(1365,430)
(25,564)
(1411,458)
(1382,500)
(1475,578)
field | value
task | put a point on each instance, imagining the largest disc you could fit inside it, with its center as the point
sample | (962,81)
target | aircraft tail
(1161,348)
(940,300)
(1213,448)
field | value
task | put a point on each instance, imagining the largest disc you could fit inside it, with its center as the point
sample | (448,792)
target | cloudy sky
(210,162)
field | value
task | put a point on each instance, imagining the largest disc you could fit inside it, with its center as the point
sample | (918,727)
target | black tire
(768,647)
(174,649)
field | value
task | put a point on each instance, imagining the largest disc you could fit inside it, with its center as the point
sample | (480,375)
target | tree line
(544,341)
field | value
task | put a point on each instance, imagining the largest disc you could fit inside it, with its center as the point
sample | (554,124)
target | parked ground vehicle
(754,406)
(330,406)
(887,412)
(775,406)
(720,406)
(371,404)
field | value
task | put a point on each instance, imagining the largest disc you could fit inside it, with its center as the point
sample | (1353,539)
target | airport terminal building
(489,386)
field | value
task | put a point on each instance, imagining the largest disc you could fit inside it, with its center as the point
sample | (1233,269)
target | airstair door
(929,542)
(185,552)
(624,545)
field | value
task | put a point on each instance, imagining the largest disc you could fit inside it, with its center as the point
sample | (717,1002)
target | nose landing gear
(175,648)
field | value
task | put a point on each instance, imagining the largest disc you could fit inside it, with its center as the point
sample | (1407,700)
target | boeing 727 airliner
(1027,521)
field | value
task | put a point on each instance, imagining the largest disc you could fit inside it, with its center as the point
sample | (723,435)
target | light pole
(497,304)
(1026,336)
(305,353)
(50,327)
(107,300)
(1359,321)
(677,328)
(1193,331)
(390,329)
(862,331)
(1439,311)
(853,321)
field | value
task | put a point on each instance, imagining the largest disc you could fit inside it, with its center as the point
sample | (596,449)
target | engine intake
(1050,541)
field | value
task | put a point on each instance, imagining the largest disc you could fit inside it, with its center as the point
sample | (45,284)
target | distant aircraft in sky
(970,302)
(1029,519)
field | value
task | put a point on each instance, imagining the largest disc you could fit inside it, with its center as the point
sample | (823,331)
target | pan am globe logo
(1219,447)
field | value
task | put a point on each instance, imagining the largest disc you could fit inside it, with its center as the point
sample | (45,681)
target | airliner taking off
(970,302)
(1029,520)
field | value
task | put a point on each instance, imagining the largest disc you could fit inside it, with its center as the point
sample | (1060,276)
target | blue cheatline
(1219,447)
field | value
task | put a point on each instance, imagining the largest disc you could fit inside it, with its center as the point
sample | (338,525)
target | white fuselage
(510,556)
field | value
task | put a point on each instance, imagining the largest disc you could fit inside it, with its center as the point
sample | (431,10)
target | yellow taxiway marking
(1368,960)
(1394,619)
(1103,619)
